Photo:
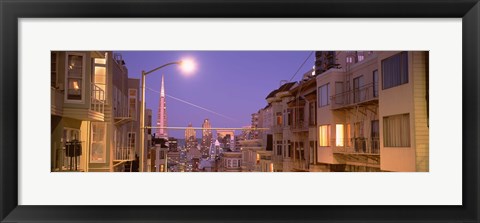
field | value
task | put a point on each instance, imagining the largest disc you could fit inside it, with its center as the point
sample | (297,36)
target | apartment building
(303,113)
(93,127)
(356,111)
(372,112)
(281,132)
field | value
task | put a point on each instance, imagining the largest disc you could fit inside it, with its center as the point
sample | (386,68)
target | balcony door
(358,94)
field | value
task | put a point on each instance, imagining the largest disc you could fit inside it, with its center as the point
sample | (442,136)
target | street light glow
(188,65)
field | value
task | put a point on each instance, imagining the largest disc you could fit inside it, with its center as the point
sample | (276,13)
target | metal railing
(360,146)
(364,93)
(97,99)
(124,153)
(299,125)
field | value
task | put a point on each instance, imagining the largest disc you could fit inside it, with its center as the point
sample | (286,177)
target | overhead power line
(194,105)
(309,55)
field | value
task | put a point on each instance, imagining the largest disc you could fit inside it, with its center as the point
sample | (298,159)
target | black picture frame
(12,10)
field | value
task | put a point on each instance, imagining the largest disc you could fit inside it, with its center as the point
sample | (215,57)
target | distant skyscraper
(206,135)
(190,137)
(162,113)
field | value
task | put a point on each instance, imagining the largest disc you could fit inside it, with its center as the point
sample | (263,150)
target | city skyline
(352,111)
(221,84)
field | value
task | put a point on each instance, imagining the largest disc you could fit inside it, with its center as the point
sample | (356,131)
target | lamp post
(188,66)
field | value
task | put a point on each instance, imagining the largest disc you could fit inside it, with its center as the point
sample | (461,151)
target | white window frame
(84,62)
(104,65)
(104,142)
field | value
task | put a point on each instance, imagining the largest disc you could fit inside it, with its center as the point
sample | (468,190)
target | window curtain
(395,70)
(396,131)
(323,132)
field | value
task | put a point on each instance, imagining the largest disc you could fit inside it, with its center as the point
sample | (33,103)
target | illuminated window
(74,77)
(100,75)
(271,167)
(324,135)
(339,135)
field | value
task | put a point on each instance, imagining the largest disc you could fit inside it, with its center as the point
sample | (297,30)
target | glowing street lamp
(187,66)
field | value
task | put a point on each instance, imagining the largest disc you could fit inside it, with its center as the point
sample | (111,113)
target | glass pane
(75,66)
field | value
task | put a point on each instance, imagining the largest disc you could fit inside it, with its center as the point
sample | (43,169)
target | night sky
(232,84)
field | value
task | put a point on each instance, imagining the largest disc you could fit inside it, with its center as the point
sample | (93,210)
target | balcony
(300,126)
(124,154)
(95,110)
(366,146)
(97,99)
(364,95)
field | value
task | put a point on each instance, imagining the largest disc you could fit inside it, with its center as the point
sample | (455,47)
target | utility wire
(301,66)
(194,105)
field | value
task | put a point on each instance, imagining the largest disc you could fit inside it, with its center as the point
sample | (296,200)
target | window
(323,92)
(324,135)
(74,77)
(53,69)
(279,147)
(339,135)
(360,58)
(395,70)
(396,131)
(358,130)
(289,117)
(98,147)
(100,74)
(358,94)
(132,103)
(349,59)
(279,118)
(229,163)
(375,83)
(131,140)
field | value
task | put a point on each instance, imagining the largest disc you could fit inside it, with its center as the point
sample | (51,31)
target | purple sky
(231,83)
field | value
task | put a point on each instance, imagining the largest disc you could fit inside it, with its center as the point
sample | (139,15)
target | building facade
(94,106)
